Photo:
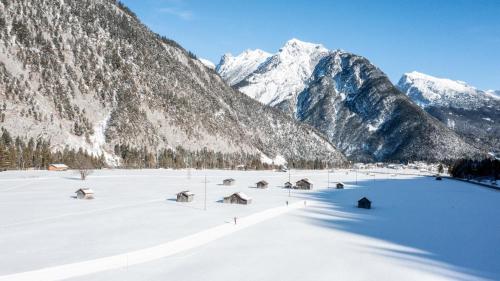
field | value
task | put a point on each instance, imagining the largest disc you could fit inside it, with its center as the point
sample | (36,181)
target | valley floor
(418,228)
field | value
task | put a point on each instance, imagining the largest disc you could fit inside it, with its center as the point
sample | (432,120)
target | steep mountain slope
(472,113)
(358,108)
(234,69)
(89,74)
(278,80)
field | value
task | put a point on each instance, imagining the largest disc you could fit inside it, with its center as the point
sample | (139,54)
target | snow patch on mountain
(207,63)
(234,69)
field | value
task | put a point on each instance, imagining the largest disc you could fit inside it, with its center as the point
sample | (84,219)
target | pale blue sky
(456,39)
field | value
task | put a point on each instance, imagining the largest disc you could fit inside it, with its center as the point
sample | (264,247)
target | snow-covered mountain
(473,113)
(234,69)
(361,111)
(88,74)
(280,77)
(352,102)
(207,63)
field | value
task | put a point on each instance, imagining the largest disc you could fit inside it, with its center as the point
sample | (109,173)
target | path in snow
(149,254)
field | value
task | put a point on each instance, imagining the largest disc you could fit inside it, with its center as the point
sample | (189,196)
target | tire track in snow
(167,249)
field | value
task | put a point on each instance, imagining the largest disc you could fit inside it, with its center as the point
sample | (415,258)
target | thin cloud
(182,14)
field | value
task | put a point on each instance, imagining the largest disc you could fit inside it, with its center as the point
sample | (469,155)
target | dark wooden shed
(438,178)
(364,203)
(304,184)
(185,196)
(262,184)
(228,181)
(84,193)
(288,185)
(340,185)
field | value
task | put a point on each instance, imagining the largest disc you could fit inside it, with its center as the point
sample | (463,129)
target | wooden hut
(438,178)
(238,198)
(364,203)
(340,185)
(228,181)
(262,184)
(288,185)
(84,193)
(304,184)
(57,167)
(185,196)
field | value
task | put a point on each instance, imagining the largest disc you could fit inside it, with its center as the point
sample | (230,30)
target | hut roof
(340,183)
(288,183)
(58,165)
(85,191)
(186,192)
(305,180)
(262,182)
(230,179)
(243,196)
(364,199)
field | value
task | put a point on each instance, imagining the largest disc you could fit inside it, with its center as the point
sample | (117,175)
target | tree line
(468,168)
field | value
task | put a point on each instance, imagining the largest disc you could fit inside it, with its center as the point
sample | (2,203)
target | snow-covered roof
(230,179)
(186,192)
(262,182)
(243,196)
(306,180)
(85,191)
(59,165)
(340,183)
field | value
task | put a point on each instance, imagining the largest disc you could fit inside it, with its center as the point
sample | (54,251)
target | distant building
(288,185)
(304,184)
(262,184)
(58,167)
(238,198)
(364,203)
(340,185)
(84,193)
(228,181)
(438,178)
(185,196)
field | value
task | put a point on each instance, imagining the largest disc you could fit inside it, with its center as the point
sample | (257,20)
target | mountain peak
(294,45)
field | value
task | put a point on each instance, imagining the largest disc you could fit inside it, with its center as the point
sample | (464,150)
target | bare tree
(85,168)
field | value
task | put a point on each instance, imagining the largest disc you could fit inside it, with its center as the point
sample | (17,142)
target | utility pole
(356,169)
(328,181)
(205,206)
(290,181)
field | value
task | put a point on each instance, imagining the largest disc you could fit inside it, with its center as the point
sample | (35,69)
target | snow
(427,90)
(282,76)
(207,63)
(278,160)
(418,229)
(234,69)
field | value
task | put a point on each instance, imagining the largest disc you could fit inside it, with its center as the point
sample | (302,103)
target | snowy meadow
(418,228)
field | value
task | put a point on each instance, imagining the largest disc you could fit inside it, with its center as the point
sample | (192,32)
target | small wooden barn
(304,184)
(57,167)
(364,203)
(262,184)
(340,185)
(228,181)
(84,193)
(438,178)
(185,196)
(238,198)
(288,185)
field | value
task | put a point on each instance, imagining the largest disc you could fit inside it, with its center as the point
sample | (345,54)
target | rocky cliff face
(88,74)
(358,108)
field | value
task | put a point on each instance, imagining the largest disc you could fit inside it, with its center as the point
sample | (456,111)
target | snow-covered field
(418,228)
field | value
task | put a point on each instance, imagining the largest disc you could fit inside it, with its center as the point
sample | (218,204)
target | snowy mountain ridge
(279,78)
(233,69)
(426,90)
